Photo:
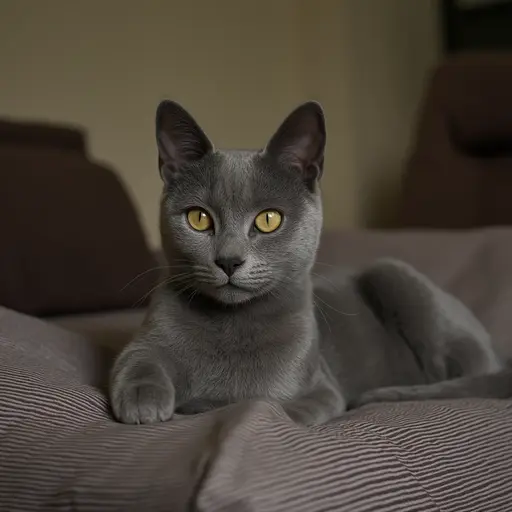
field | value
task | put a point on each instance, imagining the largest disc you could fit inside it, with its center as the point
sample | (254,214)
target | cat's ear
(180,139)
(300,141)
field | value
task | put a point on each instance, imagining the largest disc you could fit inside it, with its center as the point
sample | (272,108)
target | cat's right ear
(180,139)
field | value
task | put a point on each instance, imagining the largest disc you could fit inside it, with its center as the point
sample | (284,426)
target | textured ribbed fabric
(60,449)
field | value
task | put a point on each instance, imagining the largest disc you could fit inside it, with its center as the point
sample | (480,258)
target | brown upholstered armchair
(459,174)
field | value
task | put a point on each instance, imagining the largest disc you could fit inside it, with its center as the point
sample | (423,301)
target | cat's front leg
(319,405)
(141,386)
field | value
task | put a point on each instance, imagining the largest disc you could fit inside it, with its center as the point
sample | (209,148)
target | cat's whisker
(320,276)
(327,265)
(323,315)
(164,267)
(192,295)
(203,274)
(169,280)
(344,313)
(184,289)
(282,286)
(323,301)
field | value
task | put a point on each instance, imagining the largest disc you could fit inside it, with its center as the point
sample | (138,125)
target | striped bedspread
(60,449)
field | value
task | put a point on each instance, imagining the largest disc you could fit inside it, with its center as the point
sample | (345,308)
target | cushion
(474,92)
(458,172)
(71,239)
(111,329)
(39,134)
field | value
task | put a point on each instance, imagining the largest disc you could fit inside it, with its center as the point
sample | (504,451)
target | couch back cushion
(39,135)
(70,237)
(475,93)
(459,172)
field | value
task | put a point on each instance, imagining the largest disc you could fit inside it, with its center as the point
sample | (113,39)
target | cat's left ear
(300,142)
(181,141)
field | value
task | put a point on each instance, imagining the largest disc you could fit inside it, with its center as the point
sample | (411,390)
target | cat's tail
(494,385)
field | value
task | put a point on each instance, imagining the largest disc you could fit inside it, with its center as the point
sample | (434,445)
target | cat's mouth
(233,289)
(233,293)
(233,286)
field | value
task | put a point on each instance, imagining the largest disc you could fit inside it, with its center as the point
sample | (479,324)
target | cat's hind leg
(445,337)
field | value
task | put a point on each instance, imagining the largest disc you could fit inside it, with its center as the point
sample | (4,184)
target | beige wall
(387,80)
(239,66)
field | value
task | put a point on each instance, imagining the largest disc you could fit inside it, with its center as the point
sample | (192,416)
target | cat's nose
(229,265)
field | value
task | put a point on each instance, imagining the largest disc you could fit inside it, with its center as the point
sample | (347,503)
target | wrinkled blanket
(60,449)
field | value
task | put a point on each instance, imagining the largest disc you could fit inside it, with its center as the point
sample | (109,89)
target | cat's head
(237,225)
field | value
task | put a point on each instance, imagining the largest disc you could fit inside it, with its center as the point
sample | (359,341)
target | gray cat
(239,316)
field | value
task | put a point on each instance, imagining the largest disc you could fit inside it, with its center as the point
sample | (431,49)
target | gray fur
(271,331)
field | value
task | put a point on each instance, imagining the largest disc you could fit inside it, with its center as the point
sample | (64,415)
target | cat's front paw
(143,401)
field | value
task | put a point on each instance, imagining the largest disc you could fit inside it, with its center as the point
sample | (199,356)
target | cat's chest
(231,359)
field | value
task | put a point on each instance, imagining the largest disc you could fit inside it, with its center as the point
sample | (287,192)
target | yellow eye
(199,219)
(268,221)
